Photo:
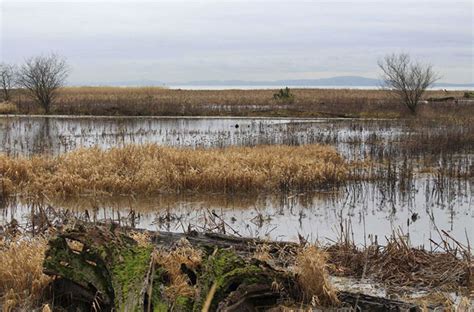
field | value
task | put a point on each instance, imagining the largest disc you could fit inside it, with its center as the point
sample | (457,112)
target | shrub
(284,95)
(469,95)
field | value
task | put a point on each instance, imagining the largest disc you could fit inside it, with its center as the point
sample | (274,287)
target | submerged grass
(151,169)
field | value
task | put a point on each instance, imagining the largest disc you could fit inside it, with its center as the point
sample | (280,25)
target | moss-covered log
(104,268)
(109,267)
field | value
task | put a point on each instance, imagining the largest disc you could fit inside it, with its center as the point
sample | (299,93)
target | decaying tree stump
(103,268)
(106,267)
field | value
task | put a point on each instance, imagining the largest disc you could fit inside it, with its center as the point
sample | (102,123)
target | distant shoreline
(272,87)
(201,101)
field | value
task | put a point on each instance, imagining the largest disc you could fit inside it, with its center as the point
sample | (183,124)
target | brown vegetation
(398,264)
(313,277)
(150,169)
(8,108)
(23,283)
(172,261)
(147,101)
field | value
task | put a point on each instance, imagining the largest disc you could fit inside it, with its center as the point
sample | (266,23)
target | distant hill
(339,81)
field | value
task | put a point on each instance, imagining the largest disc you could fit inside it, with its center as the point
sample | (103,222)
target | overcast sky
(106,41)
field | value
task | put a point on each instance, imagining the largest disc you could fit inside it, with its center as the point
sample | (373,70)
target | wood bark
(99,267)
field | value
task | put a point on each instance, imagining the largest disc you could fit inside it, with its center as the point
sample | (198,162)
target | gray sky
(179,40)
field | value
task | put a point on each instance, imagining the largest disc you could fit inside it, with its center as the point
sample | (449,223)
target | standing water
(420,208)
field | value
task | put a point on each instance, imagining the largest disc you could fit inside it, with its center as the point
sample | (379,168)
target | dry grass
(307,102)
(8,108)
(312,274)
(262,253)
(21,273)
(171,261)
(151,169)
(398,265)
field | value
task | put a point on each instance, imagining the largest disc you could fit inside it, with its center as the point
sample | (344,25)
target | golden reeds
(22,282)
(313,277)
(171,261)
(151,169)
(8,108)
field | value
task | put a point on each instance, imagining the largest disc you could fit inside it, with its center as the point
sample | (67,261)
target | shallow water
(368,211)
(27,135)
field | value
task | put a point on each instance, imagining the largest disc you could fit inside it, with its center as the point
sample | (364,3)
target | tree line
(42,77)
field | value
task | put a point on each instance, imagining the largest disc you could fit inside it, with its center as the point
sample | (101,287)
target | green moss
(156,298)
(228,271)
(63,262)
(128,273)
(160,307)
(183,304)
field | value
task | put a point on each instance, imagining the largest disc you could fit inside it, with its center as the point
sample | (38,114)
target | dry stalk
(312,274)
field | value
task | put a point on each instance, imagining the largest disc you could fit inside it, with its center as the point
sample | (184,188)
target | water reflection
(419,206)
(366,208)
(32,135)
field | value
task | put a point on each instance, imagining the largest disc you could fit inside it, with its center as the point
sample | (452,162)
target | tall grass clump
(22,282)
(151,169)
(313,277)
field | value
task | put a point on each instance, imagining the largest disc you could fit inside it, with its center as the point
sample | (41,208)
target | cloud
(267,40)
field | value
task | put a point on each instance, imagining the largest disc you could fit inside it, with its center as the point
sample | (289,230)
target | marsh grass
(23,284)
(172,262)
(151,169)
(8,108)
(313,277)
(146,101)
(398,264)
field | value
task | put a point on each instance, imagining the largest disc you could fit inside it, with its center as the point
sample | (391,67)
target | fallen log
(441,99)
(103,268)
(101,264)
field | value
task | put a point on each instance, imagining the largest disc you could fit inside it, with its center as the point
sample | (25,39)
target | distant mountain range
(340,81)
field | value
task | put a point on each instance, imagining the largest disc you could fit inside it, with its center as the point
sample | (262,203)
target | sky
(178,41)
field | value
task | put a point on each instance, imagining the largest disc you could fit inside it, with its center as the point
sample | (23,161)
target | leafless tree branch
(42,76)
(8,76)
(406,79)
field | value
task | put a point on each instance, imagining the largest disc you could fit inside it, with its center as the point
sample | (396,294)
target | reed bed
(23,284)
(399,265)
(146,101)
(151,169)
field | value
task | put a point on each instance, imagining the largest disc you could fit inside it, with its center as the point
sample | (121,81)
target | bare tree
(42,76)
(7,79)
(406,79)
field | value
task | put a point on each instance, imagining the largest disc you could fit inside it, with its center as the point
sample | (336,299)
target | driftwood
(442,99)
(102,268)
